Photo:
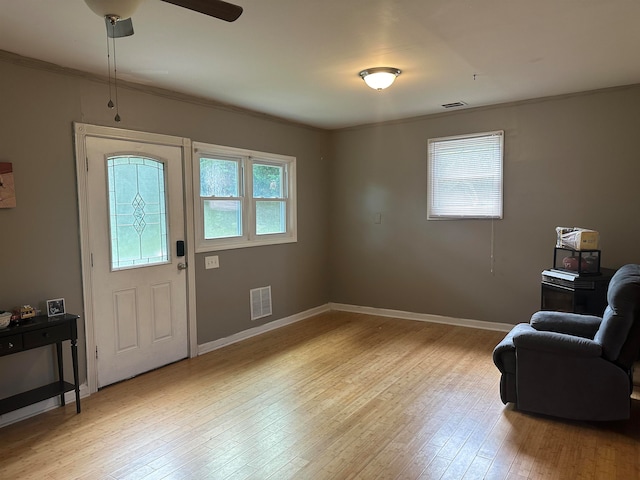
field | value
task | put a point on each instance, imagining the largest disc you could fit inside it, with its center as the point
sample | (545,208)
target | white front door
(135,219)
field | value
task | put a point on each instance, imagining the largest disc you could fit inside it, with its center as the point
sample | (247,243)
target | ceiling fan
(117,13)
(117,17)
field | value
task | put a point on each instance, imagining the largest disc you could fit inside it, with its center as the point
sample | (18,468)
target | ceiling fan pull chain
(115,80)
(110,104)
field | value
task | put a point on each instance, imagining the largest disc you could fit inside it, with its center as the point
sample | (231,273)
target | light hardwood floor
(334,397)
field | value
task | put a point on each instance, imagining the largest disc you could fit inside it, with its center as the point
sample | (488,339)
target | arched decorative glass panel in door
(137,212)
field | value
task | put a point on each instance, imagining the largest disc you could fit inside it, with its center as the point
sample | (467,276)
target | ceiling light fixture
(379,78)
(120,9)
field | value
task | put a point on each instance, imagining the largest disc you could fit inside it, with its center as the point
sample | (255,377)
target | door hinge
(96,352)
(92,260)
(86,160)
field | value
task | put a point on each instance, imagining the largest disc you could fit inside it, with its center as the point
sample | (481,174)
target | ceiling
(299,59)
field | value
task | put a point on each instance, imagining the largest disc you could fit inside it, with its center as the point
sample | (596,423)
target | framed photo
(55,307)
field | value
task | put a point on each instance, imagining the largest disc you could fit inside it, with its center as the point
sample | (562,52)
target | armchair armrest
(505,350)
(584,326)
(558,343)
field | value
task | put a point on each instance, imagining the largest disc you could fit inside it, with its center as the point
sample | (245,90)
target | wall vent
(454,105)
(260,302)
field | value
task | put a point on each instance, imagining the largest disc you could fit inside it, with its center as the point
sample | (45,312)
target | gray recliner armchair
(576,366)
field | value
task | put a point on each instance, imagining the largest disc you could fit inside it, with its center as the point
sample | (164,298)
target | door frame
(81,132)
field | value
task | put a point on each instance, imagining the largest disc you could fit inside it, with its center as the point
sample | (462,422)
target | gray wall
(39,241)
(572,161)
(39,244)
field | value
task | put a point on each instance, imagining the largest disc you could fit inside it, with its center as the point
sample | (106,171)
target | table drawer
(46,336)
(10,344)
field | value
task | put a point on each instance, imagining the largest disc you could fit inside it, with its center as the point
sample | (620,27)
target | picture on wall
(7,188)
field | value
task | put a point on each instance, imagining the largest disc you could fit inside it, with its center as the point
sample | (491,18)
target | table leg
(60,371)
(74,355)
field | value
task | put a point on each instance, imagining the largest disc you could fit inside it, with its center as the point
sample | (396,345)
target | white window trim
(249,237)
(430,185)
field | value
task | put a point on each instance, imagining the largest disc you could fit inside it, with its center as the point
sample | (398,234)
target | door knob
(182,266)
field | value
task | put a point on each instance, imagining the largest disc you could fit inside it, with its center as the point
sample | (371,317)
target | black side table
(38,332)
(568,292)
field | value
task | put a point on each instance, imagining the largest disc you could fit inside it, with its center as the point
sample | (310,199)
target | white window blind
(465,176)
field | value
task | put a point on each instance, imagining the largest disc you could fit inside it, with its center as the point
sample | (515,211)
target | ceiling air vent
(454,105)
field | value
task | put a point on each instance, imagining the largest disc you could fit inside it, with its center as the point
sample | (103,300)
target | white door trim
(81,131)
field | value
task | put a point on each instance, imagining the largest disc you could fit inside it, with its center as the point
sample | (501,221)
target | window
(137,212)
(465,176)
(243,198)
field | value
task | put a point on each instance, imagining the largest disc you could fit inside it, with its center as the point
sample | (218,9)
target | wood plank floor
(338,396)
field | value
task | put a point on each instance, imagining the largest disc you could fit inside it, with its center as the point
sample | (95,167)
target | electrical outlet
(211,262)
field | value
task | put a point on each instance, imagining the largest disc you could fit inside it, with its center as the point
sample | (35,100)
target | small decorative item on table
(5,318)
(26,311)
(55,307)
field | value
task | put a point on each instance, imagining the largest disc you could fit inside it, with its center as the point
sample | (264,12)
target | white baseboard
(41,407)
(252,332)
(423,317)
(382,312)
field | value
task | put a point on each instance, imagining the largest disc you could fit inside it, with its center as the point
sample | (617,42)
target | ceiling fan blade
(214,8)
(122,28)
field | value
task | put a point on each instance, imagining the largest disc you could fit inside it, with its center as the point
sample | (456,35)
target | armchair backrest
(619,332)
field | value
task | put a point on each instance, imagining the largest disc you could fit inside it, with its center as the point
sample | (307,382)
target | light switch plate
(211,262)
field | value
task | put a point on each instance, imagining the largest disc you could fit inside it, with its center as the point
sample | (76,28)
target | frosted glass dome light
(379,78)
(120,9)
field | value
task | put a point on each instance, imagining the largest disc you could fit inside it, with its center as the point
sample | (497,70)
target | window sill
(231,245)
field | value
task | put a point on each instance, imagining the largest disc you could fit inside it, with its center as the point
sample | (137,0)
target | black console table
(38,332)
